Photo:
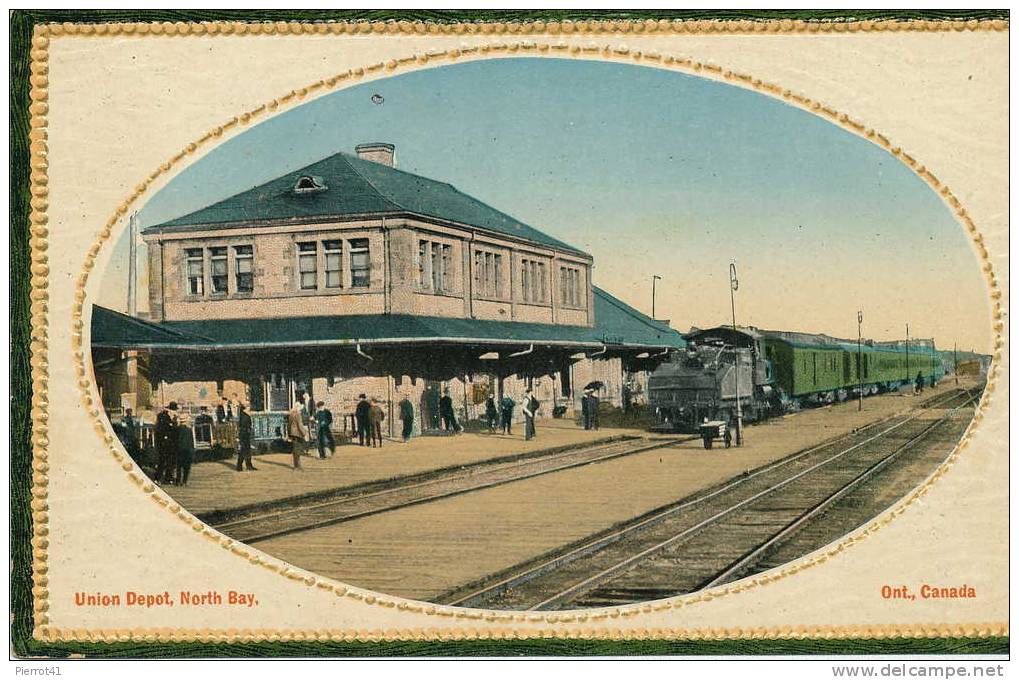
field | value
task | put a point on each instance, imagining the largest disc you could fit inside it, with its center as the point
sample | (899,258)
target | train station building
(350,276)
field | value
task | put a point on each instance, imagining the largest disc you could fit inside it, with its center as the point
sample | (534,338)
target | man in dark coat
(407,416)
(491,414)
(506,406)
(361,414)
(166,442)
(221,410)
(185,452)
(531,405)
(446,413)
(592,405)
(244,432)
(585,409)
(324,419)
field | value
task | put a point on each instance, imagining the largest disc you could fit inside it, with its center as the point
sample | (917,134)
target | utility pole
(733,287)
(859,355)
(908,374)
(132,265)
(654,289)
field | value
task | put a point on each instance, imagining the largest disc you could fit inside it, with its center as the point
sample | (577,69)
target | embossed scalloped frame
(40,271)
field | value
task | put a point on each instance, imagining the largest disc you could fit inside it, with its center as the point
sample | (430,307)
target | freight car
(775,372)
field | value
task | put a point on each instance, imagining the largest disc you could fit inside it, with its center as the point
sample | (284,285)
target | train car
(773,372)
(818,369)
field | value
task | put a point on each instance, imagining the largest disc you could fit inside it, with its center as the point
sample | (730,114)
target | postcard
(467,330)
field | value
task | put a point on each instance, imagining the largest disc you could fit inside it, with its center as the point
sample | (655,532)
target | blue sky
(652,172)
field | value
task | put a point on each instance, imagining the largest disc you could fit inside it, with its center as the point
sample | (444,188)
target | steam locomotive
(775,372)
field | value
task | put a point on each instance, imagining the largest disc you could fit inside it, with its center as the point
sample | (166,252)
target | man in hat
(407,416)
(296,431)
(166,443)
(447,414)
(324,422)
(585,408)
(362,414)
(530,409)
(375,417)
(244,432)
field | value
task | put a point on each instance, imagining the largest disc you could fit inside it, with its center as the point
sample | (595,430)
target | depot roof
(345,186)
(617,324)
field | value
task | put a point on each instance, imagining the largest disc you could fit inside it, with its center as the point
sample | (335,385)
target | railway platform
(216,488)
(424,550)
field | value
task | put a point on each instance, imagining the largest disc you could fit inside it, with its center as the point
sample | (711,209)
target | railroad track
(261,526)
(720,535)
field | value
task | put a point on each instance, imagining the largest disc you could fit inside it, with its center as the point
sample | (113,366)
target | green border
(22,644)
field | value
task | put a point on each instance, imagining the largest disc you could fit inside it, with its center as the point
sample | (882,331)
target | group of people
(313,422)
(175,446)
(369,415)
(320,424)
(501,413)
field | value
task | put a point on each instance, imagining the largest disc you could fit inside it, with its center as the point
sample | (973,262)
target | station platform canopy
(387,344)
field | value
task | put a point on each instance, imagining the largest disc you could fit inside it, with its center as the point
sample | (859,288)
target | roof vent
(377,152)
(309,184)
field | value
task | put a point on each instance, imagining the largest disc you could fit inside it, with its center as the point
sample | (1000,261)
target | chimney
(377,152)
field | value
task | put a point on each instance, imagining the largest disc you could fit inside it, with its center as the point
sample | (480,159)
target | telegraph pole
(654,280)
(908,374)
(132,265)
(733,287)
(859,355)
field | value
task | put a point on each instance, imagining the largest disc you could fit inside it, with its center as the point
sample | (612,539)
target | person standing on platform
(297,433)
(491,414)
(185,452)
(407,416)
(375,417)
(507,404)
(449,423)
(324,421)
(592,406)
(221,410)
(530,408)
(245,430)
(585,409)
(166,443)
(361,413)
(130,424)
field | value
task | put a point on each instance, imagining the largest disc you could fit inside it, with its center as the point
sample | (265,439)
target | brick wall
(396,286)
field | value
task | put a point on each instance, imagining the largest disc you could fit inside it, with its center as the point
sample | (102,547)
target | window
(435,266)
(244,273)
(569,286)
(533,283)
(360,263)
(334,271)
(487,274)
(308,184)
(219,279)
(195,271)
(307,265)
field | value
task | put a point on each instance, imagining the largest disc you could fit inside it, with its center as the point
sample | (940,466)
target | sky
(651,172)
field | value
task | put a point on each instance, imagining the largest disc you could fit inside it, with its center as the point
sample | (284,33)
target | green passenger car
(823,369)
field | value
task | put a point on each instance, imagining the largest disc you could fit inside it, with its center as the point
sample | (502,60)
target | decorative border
(39,296)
